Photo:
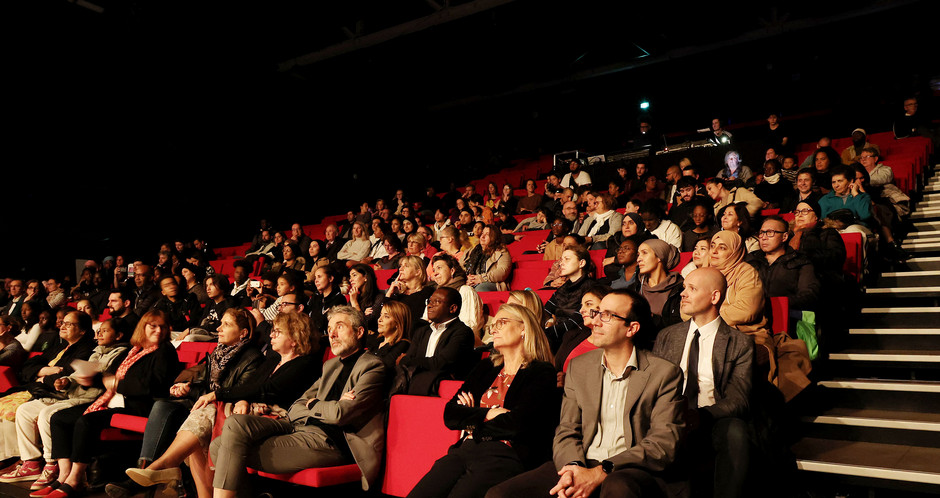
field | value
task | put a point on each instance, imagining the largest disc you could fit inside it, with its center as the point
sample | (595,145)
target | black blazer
(81,350)
(148,378)
(453,355)
(533,403)
(239,371)
(281,387)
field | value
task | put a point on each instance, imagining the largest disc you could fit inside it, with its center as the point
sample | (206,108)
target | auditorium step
(924,234)
(913,428)
(894,338)
(923,263)
(900,316)
(922,278)
(879,464)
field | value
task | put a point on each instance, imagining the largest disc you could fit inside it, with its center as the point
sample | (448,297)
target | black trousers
(625,483)
(78,436)
(469,469)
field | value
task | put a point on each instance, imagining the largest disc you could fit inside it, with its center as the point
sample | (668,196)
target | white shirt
(669,233)
(599,220)
(436,331)
(609,440)
(706,344)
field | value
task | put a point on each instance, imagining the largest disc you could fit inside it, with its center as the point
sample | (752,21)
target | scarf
(219,358)
(726,265)
(772,179)
(136,353)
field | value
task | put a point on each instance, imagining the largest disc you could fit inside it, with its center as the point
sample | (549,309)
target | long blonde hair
(417,265)
(531,300)
(534,343)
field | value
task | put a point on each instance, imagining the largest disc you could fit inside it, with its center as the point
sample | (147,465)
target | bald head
(703,294)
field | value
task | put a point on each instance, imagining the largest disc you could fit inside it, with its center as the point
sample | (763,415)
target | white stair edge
(928,259)
(921,243)
(918,273)
(924,234)
(926,224)
(879,423)
(931,309)
(909,358)
(894,331)
(901,290)
(862,385)
(900,310)
(863,471)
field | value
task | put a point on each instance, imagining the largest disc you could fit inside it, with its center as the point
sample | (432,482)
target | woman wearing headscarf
(631,228)
(657,284)
(743,307)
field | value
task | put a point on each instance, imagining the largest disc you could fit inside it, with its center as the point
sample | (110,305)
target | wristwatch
(607,466)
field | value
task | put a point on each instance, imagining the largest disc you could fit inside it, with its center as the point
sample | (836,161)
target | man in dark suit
(340,417)
(333,242)
(17,298)
(441,349)
(621,416)
(717,361)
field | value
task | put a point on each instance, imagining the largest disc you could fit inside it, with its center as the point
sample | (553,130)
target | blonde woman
(411,287)
(394,329)
(507,409)
(357,248)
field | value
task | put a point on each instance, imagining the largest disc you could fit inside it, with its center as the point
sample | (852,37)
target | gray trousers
(268,445)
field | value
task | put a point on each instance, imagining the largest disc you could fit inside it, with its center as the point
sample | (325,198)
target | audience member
(357,248)
(590,450)
(326,295)
(859,141)
(578,269)
(805,183)
(734,173)
(446,272)
(411,287)
(654,218)
(146,294)
(657,284)
(722,196)
(576,178)
(699,253)
(393,329)
(783,271)
(364,294)
(488,265)
(507,409)
(845,194)
(734,218)
(703,228)
(774,188)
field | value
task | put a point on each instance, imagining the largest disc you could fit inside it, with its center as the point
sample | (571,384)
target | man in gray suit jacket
(718,383)
(621,416)
(338,421)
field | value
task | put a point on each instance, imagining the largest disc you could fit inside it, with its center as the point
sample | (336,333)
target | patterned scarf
(219,359)
(136,353)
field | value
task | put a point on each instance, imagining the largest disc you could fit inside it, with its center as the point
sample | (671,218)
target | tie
(691,377)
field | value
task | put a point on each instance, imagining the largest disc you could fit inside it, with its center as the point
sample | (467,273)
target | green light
(644,105)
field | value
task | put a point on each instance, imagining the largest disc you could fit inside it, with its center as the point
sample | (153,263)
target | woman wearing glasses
(280,379)
(734,217)
(507,409)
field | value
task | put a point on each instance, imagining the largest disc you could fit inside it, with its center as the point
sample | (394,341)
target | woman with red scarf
(146,373)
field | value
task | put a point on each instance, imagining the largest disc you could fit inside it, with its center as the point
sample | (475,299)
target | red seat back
(780,307)
(416,438)
(853,255)
(684,258)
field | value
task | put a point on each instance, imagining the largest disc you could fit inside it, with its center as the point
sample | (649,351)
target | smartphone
(130,270)
(255,284)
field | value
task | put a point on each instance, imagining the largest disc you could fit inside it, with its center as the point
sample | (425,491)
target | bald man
(717,361)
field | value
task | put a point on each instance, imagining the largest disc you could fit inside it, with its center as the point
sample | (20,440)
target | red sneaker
(25,471)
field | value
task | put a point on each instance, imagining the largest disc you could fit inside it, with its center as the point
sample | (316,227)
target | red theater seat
(416,438)
(780,307)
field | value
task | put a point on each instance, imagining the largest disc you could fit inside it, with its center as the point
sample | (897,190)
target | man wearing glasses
(783,271)
(621,415)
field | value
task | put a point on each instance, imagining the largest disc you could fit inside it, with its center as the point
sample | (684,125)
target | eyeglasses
(500,323)
(866,157)
(276,332)
(802,211)
(69,325)
(768,233)
(605,315)
(286,303)
(434,301)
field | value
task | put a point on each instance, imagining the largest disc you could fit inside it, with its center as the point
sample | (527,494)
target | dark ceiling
(136,121)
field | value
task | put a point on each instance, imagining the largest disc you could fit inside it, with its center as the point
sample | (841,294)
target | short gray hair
(356,318)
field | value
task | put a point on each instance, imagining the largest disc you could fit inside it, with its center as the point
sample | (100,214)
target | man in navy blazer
(441,349)
(718,389)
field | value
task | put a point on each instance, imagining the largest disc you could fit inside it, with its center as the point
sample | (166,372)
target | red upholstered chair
(493,300)
(318,478)
(527,258)
(597,256)
(684,258)
(853,255)
(448,389)
(527,278)
(192,353)
(540,264)
(769,212)
(545,295)
(780,307)
(381,278)
(529,242)
(7,378)
(416,438)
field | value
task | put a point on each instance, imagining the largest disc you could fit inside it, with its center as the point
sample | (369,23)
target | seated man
(681,211)
(264,247)
(440,349)
(621,447)
(717,361)
(333,242)
(805,190)
(783,271)
(119,304)
(338,421)
(654,218)
(846,194)
(145,295)
(179,306)
(879,174)
(859,141)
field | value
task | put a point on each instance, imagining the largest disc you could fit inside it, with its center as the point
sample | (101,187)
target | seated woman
(394,330)
(29,328)
(326,294)
(454,242)
(411,287)
(491,198)
(657,284)
(627,272)
(507,409)
(146,373)
(703,227)
(393,248)
(578,269)
(743,307)
(532,201)
(31,315)
(317,257)
(578,341)
(289,282)
(292,259)
(12,353)
(277,382)
(193,276)
(217,288)
(507,201)
(734,218)
(489,265)
(446,272)
(357,248)
(40,373)
(632,227)
(364,294)
(699,253)
(32,418)
(823,246)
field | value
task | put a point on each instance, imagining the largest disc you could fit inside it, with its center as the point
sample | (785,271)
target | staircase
(875,430)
